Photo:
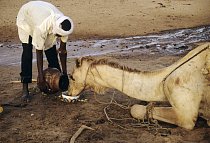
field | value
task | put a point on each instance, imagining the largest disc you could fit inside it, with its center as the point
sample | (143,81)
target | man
(40,24)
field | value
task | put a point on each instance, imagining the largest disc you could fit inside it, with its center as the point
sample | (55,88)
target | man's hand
(42,85)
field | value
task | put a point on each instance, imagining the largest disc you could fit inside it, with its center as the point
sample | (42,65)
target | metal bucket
(55,80)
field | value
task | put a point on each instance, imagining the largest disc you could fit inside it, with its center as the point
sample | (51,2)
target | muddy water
(168,42)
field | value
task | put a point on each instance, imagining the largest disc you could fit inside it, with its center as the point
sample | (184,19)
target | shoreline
(73,38)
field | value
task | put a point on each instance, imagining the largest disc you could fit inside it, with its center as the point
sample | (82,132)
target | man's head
(63,26)
(66,25)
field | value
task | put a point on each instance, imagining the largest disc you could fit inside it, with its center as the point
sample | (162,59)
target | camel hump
(191,55)
(197,51)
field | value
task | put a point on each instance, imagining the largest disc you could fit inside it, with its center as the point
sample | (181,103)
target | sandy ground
(108,18)
(47,119)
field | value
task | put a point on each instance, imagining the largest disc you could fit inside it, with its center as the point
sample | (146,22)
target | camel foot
(138,111)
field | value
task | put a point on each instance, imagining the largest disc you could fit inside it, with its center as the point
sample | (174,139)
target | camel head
(79,76)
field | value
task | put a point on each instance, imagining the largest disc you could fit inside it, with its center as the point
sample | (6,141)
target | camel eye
(78,63)
(71,77)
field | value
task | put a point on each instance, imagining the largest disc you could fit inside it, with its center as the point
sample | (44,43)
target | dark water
(168,42)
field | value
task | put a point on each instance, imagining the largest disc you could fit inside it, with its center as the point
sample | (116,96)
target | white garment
(36,18)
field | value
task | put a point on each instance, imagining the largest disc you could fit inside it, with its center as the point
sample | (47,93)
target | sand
(118,18)
(47,119)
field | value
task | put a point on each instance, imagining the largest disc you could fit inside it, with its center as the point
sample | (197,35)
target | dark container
(55,80)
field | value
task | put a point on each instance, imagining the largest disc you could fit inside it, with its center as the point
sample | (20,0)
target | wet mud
(167,43)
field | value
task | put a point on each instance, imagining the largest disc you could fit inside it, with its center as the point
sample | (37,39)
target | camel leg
(185,101)
(184,110)
(165,114)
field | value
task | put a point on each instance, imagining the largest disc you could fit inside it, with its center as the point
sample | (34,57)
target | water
(168,42)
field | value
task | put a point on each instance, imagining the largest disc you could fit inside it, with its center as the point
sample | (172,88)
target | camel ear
(78,62)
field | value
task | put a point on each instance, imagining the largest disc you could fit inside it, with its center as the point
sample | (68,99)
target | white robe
(36,18)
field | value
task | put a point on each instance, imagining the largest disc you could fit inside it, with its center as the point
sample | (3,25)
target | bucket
(55,80)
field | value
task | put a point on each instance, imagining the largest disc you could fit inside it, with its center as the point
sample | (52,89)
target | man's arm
(63,56)
(41,81)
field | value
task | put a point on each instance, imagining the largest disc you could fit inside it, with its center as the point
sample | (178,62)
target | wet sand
(174,42)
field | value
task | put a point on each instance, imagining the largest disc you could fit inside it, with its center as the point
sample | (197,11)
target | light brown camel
(185,85)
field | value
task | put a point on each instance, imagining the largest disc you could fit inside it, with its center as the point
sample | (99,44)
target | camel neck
(134,84)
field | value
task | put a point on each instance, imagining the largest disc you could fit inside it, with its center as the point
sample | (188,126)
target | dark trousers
(27,57)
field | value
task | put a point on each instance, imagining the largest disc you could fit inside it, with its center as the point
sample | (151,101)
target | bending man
(40,24)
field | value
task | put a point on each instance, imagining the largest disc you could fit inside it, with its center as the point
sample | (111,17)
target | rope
(182,65)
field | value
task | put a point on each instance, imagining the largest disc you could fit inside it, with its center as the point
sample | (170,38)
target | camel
(184,84)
